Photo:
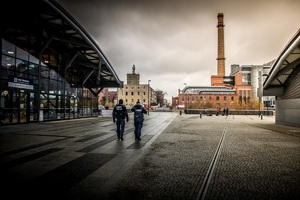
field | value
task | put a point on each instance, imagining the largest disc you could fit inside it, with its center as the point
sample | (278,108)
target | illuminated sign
(22,83)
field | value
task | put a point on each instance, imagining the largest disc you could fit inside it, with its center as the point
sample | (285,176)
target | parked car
(101,107)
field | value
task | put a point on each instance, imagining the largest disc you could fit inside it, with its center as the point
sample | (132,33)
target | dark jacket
(139,111)
(120,112)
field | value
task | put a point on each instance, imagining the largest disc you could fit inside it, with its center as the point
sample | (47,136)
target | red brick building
(225,91)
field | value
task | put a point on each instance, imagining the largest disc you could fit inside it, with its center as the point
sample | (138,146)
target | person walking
(120,113)
(217,111)
(139,112)
(226,111)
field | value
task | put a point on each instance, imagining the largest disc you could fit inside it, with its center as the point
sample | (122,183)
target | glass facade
(33,90)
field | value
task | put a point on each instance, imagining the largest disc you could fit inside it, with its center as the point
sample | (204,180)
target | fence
(230,112)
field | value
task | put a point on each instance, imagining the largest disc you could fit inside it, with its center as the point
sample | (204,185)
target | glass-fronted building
(51,69)
(20,94)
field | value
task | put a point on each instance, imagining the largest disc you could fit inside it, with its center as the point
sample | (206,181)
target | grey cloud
(175,41)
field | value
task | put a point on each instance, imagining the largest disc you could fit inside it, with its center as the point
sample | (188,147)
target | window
(126,93)
(240,93)
(22,54)
(8,62)
(232,98)
(217,98)
(8,48)
(33,69)
(33,59)
(246,79)
(224,98)
(132,93)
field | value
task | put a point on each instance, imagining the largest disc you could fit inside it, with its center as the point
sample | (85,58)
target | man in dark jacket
(139,112)
(120,113)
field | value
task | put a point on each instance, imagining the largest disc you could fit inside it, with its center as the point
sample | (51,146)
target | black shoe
(139,138)
(122,138)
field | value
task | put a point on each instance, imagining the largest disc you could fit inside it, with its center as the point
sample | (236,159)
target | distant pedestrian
(226,111)
(139,112)
(120,113)
(217,111)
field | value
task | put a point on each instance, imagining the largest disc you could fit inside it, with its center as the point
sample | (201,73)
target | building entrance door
(24,102)
(23,107)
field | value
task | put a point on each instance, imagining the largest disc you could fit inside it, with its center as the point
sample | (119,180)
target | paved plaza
(179,157)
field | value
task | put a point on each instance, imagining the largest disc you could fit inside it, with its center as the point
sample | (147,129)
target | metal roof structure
(45,27)
(207,90)
(285,68)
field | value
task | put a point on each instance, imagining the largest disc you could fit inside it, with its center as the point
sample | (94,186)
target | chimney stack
(221,51)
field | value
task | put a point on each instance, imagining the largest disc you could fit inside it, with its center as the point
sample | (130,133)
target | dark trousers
(138,124)
(120,127)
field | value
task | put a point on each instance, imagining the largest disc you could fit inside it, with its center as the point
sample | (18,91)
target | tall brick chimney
(217,80)
(221,51)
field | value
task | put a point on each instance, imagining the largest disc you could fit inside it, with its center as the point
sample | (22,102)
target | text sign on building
(22,83)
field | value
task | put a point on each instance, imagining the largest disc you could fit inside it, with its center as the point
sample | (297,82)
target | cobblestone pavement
(179,157)
(257,160)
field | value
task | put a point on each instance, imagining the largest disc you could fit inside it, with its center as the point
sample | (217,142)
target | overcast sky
(172,42)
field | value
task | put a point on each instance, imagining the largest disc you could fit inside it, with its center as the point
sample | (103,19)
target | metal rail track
(203,189)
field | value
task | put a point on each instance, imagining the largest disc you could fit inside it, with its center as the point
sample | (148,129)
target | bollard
(261,116)
(180,112)
(200,115)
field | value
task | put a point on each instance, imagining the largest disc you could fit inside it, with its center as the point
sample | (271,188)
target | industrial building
(236,91)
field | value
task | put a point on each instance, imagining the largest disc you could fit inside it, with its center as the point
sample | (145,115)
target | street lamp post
(148,95)
(185,99)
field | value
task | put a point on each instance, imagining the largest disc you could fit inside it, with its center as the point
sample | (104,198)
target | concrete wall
(106,112)
(288,112)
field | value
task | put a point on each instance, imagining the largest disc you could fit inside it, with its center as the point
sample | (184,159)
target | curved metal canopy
(45,27)
(285,68)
